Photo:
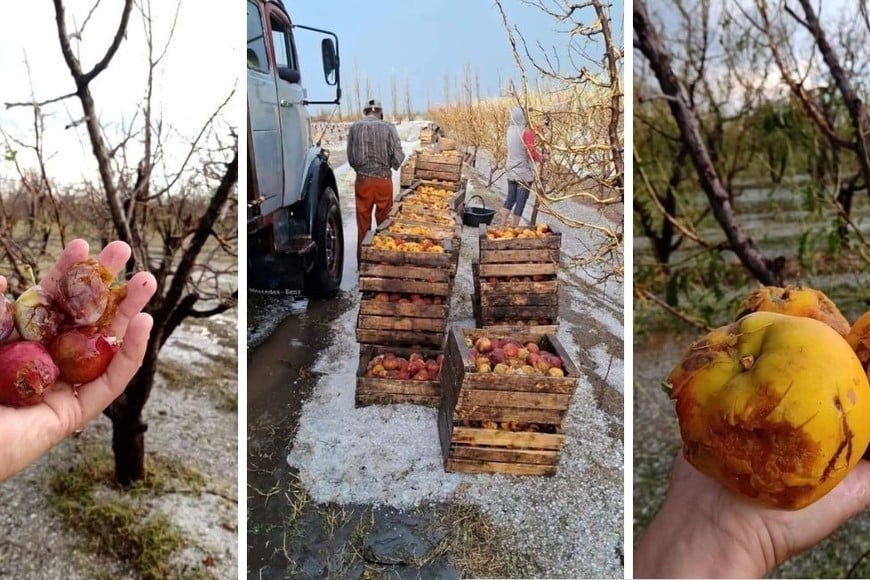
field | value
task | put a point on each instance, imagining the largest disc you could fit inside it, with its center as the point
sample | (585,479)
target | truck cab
(295,232)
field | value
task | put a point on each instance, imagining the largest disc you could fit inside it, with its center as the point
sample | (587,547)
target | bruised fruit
(35,316)
(775,407)
(83,292)
(859,338)
(26,373)
(483,344)
(82,354)
(794,301)
(7,319)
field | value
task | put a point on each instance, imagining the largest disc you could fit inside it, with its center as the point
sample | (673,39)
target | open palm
(28,432)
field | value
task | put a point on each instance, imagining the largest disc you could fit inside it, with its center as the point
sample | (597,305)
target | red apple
(483,344)
(511,350)
(497,356)
(533,348)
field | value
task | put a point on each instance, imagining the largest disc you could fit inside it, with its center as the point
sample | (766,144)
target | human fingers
(74,252)
(114,256)
(140,289)
(97,395)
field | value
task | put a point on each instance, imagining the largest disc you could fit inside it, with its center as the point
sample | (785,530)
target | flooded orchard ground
(777,218)
(336,491)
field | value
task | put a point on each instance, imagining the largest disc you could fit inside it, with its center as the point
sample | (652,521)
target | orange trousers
(371,193)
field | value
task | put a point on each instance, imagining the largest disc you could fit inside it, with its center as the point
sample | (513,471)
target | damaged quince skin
(795,301)
(859,338)
(775,407)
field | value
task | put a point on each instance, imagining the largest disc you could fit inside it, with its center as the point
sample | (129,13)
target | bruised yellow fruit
(859,338)
(794,301)
(775,407)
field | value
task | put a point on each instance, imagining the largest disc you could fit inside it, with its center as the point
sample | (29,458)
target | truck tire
(324,279)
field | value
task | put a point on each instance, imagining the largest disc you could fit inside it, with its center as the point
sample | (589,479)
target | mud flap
(279,274)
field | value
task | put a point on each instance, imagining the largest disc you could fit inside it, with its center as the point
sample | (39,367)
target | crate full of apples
(504,400)
(390,375)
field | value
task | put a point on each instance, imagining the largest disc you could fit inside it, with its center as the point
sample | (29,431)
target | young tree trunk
(750,255)
(128,430)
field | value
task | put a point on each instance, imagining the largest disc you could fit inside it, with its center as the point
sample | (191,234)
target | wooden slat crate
(457,199)
(430,262)
(406,176)
(383,391)
(442,166)
(520,250)
(511,303)
(402,324)
(436,232)
(474,406)
(409,215)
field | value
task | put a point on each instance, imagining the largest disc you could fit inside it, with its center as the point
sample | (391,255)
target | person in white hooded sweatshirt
(521,152)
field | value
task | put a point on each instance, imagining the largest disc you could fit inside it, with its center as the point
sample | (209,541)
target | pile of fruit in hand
(506,356)
(66,336)
(776,406)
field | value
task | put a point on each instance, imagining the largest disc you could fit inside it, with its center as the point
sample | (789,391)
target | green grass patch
(119,524)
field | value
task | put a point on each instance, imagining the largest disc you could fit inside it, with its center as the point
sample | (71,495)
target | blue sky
(422,39)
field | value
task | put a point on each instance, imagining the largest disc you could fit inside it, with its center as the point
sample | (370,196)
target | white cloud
(198,72)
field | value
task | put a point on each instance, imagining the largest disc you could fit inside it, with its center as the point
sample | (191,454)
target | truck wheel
(325,277)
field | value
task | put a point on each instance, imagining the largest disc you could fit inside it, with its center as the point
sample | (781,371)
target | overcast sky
(198,72)
(424,39)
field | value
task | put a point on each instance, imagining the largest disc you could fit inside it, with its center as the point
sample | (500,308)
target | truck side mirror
(330,60)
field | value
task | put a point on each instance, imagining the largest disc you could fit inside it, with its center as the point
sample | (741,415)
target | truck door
(263,115)
(291,107)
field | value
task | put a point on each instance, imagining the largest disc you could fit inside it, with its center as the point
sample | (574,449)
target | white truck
(295,235)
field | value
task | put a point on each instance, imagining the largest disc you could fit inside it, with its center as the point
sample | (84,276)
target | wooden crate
(418,218)
(454,201)
(497,302)
(469,397)
(380,391)
(416,265)
(544,250)
(402,324)
(406,176)
(442,166)
(453,233)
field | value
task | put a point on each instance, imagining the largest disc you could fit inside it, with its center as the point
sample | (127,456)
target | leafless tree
(176,219)
(582,124)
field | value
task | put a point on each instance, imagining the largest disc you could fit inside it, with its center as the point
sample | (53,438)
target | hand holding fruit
(67,330)
(703,530)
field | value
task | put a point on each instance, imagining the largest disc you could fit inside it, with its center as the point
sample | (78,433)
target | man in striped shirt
(373,150)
